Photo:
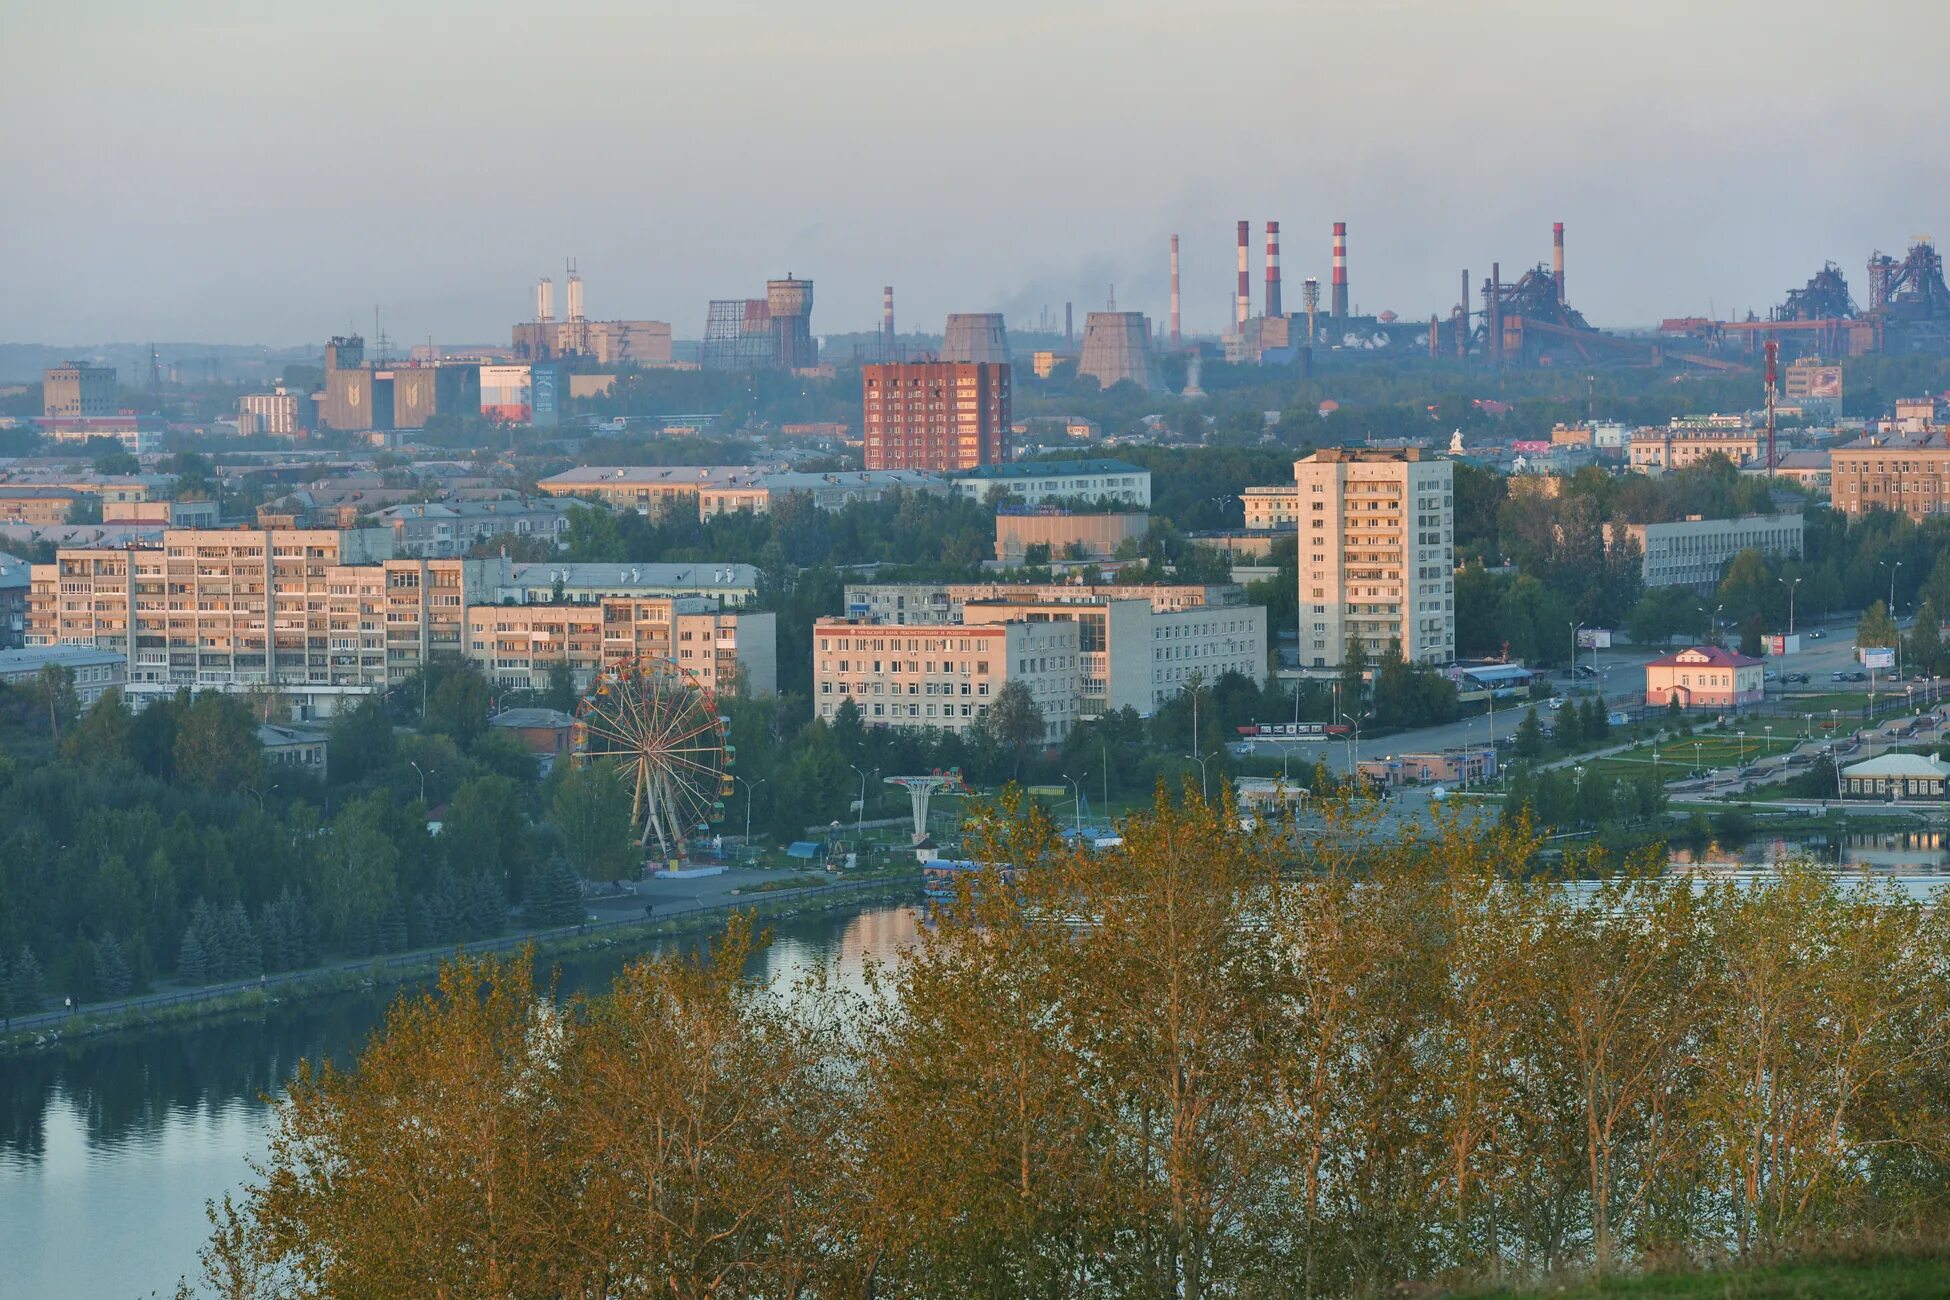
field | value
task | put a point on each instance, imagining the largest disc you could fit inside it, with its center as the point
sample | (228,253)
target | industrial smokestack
(1339,306)
(1069,336)
(1557,258)
(575,292)
(1244,308)
(887,316)
(1272,308)
(1462,319)
(1495,314)
(545,300)
(1174,291)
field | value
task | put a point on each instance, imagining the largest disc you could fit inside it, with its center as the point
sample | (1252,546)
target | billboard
(1825,382)
(1777,645)
(545,407)
(1594,638)
(1877,656)
(505,394)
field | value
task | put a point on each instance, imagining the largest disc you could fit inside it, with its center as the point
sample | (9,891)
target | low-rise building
(448,528)
(95,671)
(836,489)
(293,748)
(1273,508)
(1657,450)
(162,514)
(656,490)
(1704,677)
(1811,469)
(1034,482)
(1459,767)
(945,678)
(1694,552)
(1897,776)
(1066,535)
(136,433)
(36,505)
(548,733)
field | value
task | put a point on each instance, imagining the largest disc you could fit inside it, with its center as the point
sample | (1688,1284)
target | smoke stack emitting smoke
(1557,258)
(1339,308)
(1174,291)
(1245,306)
(1272,307)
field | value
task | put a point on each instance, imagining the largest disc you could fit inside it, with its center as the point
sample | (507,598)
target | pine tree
(1530,737)
(193,963)
(111,968)
(556,898)
(242,956)
(1597,727)
(24,981)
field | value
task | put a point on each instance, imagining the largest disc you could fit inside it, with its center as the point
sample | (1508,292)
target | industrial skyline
(235,213)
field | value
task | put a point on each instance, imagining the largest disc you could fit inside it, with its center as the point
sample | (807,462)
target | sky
(264,171)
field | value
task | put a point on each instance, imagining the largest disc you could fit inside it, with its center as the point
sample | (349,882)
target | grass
(1924,1272)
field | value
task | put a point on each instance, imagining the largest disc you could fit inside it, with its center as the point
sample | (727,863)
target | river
(109,1149)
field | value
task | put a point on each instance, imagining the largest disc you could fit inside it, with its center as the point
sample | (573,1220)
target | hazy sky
(266,171)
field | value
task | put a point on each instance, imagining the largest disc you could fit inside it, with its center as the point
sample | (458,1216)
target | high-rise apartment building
(1377,554)
(945,678)
(78,390)
(936,415)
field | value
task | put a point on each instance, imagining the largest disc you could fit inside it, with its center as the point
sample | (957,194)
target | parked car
(1817,635)
(1795,677)
(1839,675)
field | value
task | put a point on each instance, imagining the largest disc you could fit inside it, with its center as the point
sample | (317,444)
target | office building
(1377,554)
(1908,473)
(79,391)
(941,416)
(642,343)
(945,678)
(1653,451)
(1694,552)
(1054,482)
(1704,677)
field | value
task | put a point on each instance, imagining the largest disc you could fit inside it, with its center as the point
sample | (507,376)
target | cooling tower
(1116,347)
(975,336)
(789,303)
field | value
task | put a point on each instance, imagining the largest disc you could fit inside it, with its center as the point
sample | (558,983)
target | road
(1621,678)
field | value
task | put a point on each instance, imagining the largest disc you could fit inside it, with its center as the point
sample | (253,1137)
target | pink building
(1704,677)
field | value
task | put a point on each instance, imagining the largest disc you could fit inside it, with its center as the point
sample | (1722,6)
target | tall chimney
(1557,258)
(1272,307)
(1068,336)
(887,316)
(1339,305)
(1174,291)
(575,292)
(1462,319)
(1773,377)
(1496,313)
(545,300)
(1245,304)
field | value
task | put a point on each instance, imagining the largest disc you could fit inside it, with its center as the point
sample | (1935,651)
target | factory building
(79,390)
(769,333)
(938,416)
(521,394)
(1377,554)
(362,396)
(945,678)
(644,343)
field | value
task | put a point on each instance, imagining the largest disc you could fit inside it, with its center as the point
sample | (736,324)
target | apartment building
(733,585)
(656,490)
(1034,482)
(36,505)
(935,415)
(1377,554)
(517,645)
(1275,508)
(1657,450)
(933,604)
(1137,657)
(945,678)
(1694,552)
(317,615)
(163,514)
(1908,473)
(447,528)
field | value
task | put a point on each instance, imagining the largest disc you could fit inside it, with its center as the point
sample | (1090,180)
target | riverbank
(49,1030)
(1892,1276)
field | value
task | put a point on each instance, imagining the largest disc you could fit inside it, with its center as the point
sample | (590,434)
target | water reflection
(138,1133)
(1908,852)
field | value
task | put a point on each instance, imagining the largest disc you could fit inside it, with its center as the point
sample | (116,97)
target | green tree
(591,812)
(1924,649)
(101,737)
(1014,722)
(361,742)
(1876,628)
(457,703)
(485,833)
(54,690)
(216,745)
(1530,737)
(561,694)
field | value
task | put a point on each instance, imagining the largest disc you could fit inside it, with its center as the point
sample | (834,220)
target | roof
(1051,469)
(798,481)
(1899,442)
(674,476)
(1704,656)
(272,736)
(1900,765)
(542,573)
(34,658)
(528,719)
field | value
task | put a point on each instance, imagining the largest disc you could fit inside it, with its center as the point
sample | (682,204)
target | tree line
(1305,1061)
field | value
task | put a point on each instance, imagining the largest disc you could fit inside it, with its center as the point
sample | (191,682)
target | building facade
(517,645)
(1704,677)
(940,416)
(931,604)
(274,413)
(1897,776)
(1272,509)
(1905,473)
(36,505)
(656,490)
(945,678)
(1695,552)
(729,585)
(1657,450)
(1063,534)
(1377,554)
(1035,483)
(95,671)
(79,391)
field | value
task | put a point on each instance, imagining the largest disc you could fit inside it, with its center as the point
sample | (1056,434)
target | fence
(318,976)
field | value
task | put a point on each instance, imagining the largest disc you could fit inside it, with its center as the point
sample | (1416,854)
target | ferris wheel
(660,727)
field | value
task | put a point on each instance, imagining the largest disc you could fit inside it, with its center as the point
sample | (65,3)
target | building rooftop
(1935,441)
(1900,765)
(527,719)
(1710,656)
(271,735)
(541,573)
(798,481)
(712,476)
(1051,468)
(73,656)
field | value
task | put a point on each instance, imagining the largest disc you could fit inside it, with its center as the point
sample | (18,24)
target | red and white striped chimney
(887,314)
(1272,307)
(1339,307)
(1245,307)
(1174,291)
(1557,258)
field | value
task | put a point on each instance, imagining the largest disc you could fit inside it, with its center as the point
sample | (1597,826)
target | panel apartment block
(936,415)
(1377,554)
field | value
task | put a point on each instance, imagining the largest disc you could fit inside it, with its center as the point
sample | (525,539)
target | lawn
(1888,1278)
(1708,750)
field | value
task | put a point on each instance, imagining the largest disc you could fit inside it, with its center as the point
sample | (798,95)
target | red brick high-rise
(936,415)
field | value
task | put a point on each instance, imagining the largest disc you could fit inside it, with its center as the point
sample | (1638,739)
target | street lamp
(1354,753)
(1575,629)
(423,780)
(1790,586)
(1769,729)
(1203,792)
(1696,767)
(860,814)
(1076,821)
(749,787)
(1743,745)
